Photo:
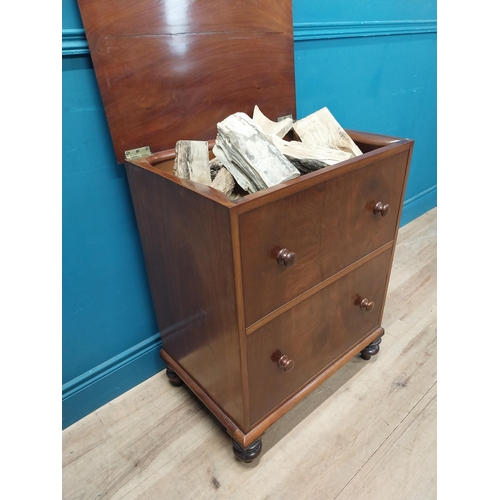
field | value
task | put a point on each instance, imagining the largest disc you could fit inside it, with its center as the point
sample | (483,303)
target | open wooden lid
(171,69)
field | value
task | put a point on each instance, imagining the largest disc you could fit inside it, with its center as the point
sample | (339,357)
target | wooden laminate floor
(369,432)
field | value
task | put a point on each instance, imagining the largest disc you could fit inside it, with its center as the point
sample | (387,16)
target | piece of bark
(250,155)
(238,192)
(191,161)
(223,181)
(306,165)
(307,158)
(279,129)
(322,129)
(215,165)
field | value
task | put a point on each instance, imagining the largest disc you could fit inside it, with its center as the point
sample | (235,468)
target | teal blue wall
(373,64)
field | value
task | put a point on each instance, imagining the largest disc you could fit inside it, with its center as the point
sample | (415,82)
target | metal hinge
(133,154)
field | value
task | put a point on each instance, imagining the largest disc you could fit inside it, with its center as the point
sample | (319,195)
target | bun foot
(248,454)
(371,349)
(173,377)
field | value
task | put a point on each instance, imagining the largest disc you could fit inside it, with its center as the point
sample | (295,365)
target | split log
(279,129)
(191,161)
(322,129)
(250,155)
(224,182)
(307,158)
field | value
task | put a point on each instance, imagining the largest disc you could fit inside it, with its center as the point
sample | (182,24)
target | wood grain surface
(313,334)
(189,263)
(170,70)
(328,226)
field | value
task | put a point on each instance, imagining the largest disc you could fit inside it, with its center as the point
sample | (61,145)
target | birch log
(279,129)
(191,161)
(250,155)
(307,158)
(224,182)
(322,129)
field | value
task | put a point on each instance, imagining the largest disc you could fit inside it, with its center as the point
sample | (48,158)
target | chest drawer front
(326,227)
(313,334)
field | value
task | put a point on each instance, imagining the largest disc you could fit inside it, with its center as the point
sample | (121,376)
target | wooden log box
(261,298)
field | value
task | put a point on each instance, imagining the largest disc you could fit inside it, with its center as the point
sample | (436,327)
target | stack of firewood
(251,154)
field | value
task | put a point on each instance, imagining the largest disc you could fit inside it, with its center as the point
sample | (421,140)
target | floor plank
(405,465)
(367,432)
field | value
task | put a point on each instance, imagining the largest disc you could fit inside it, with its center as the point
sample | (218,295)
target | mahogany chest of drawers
(248,332)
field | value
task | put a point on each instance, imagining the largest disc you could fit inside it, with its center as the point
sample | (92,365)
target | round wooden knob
(286,363)
(367,304)
(286,258)
(381,209)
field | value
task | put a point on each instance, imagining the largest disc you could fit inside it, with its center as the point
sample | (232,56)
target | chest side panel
(186,240)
